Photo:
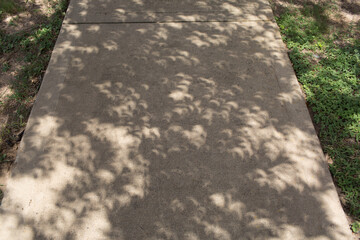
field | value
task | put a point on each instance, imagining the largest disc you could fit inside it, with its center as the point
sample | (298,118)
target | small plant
(13,21)
(355,227)
(5,67)
(2,157)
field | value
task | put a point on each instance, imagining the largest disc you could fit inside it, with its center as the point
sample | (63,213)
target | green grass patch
(9,6)
(326,59)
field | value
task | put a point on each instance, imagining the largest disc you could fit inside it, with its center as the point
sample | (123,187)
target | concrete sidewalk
(170,120)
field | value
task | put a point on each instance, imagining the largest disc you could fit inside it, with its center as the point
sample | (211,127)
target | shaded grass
(326,59)
(9,6)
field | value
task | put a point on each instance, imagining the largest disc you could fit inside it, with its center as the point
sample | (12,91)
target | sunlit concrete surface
(176,130)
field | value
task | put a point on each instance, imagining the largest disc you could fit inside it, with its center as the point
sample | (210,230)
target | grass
(35,46)
(8,6)
(326,59)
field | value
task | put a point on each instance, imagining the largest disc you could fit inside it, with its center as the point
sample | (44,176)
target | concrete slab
(171,131)
(107,11)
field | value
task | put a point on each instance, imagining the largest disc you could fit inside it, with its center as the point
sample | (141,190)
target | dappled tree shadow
(313,9)
(180,131)
(168,11)
(352,6)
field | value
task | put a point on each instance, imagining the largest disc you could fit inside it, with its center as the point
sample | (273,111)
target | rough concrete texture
(191,130)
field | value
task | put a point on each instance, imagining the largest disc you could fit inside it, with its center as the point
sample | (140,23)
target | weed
(355,227)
